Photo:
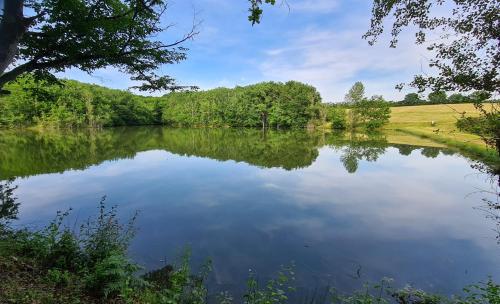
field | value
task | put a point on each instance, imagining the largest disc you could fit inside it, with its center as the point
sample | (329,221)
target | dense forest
(73,104)
(269,104)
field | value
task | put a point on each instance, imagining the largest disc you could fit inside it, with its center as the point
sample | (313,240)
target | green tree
(88,35)
(74,104)
(269,104)
(458,98)
(373,113)
(411,99)
(467,56)
(352,98)
(438,97)
(356,93)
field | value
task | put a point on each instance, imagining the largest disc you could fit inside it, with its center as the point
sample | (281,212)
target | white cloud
(332,60)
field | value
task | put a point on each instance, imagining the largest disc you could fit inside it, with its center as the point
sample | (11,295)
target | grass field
(438,123)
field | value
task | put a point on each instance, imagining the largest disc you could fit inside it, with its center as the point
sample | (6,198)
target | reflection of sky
(406,217)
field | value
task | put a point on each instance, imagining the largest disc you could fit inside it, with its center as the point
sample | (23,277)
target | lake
(345,209)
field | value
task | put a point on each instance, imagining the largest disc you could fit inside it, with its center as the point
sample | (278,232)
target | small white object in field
(433,123)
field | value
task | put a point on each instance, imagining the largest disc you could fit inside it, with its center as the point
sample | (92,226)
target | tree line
(441,97)
(276,105)
(70,104)
(267,105)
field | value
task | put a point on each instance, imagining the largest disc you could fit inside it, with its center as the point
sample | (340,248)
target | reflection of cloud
(390,216)
(423,204)
(271,186)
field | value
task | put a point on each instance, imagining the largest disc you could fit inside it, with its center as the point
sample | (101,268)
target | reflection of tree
(362,147)
(350,161)
(8,206)
(430,152)
(24,153)
(405,149)
(491,203)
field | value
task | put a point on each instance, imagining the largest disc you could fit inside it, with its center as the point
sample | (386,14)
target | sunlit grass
(435,122)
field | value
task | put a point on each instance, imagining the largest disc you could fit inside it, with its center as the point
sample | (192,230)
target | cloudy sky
(314,41)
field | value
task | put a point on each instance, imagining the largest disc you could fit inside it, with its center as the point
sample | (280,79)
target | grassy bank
(438,123)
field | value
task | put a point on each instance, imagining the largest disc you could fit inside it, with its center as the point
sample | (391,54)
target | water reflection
(27,153)
(253,200)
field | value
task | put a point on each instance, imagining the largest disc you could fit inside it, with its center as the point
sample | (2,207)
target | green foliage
(384,293)
(90,35)
(411,99)
(466,56)
(275,290)
(112,276)
(438,97)
(337,116)
(72,104)
(97,255)
(356,93)
(105,236)
(479,96)
(488,292)
(487,125)
(256,11)
(104,242)
(371,113)
(410,295)
(367,295)
(270,104)
(59,278)
(458,98)
(177,284)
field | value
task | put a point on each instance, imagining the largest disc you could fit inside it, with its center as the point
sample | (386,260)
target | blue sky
(314,41)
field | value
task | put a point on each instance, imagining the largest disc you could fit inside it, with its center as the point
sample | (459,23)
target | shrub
(112,276)
(274,292)
(337,116)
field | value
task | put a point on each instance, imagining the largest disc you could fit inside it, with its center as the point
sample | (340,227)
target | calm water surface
(345,210)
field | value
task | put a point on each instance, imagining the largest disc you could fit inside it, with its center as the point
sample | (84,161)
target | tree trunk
(12,28)
(263,116)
